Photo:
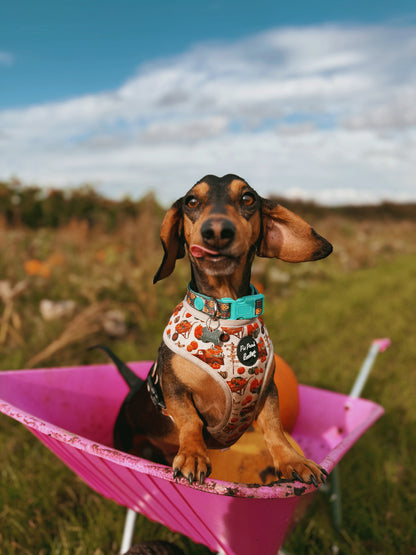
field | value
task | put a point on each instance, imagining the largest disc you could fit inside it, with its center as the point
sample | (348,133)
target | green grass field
(322,317)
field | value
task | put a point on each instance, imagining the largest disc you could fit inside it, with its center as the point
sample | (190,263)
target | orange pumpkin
(287,385)
(247,461)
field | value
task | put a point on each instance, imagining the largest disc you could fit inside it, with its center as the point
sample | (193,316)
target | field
(322,317)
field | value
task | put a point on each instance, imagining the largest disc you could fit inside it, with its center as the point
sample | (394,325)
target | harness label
(247,351)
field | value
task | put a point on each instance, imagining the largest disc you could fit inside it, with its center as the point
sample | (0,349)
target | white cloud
(324,112)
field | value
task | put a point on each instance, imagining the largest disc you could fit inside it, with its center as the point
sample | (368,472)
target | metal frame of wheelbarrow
(72,411)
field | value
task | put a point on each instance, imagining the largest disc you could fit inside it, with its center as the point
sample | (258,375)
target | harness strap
(155,390)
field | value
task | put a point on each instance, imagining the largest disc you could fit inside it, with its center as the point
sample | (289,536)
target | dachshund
(214,372)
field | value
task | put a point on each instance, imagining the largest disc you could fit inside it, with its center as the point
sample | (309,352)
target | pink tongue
(200,252)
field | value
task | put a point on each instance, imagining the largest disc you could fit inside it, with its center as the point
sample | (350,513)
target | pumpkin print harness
(237,354)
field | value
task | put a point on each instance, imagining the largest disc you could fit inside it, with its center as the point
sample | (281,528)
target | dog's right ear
(288,237)
(172,240)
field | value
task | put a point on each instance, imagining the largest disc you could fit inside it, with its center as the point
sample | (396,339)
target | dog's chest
(236,354)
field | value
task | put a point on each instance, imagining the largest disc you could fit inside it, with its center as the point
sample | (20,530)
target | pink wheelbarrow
(72,411)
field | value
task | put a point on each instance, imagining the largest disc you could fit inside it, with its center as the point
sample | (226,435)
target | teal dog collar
(244,308)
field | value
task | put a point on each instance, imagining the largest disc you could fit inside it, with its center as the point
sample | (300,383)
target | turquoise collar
(244,308)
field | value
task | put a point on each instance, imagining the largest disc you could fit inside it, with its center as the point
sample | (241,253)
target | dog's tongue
(199,252)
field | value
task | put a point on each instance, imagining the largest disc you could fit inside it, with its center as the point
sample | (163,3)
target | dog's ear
(172,240)
(288,237)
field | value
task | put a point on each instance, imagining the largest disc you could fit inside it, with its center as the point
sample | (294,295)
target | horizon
(149,194)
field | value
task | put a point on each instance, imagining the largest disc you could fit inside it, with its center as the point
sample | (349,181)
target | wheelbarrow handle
(377,346)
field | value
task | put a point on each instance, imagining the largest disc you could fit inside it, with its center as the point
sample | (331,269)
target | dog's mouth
(214,262)
(198,251)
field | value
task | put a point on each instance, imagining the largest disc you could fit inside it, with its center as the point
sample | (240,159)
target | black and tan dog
(214,372)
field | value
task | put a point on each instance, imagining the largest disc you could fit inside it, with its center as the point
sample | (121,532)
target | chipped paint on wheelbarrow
(72,411)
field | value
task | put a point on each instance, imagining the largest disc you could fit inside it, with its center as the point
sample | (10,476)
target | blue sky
(312,99)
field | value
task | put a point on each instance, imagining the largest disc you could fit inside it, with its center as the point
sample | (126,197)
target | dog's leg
(179,382)
(191,461)
(289,465)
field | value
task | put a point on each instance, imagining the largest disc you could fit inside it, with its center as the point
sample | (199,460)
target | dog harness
(237,353)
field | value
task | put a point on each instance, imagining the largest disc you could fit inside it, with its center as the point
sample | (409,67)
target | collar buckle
(247,308)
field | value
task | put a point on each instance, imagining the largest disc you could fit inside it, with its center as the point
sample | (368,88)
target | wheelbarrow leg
(128,532)
(335,499)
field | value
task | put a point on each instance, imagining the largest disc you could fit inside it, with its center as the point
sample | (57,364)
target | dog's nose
(218,232)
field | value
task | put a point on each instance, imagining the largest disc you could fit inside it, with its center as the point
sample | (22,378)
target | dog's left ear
(288,237)
(172,240)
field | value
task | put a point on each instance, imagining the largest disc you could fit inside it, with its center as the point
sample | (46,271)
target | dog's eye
(247,199)
(192,202)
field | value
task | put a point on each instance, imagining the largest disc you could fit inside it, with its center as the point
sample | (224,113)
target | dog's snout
(218,232)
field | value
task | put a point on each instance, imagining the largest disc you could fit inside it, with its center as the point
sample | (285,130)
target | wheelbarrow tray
(72,411)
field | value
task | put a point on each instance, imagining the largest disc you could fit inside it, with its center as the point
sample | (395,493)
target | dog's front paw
(301,469)
(194,466)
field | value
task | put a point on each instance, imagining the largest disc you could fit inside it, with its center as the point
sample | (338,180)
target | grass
(337,322)
(322,316)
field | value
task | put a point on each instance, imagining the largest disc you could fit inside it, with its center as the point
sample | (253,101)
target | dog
(214,371)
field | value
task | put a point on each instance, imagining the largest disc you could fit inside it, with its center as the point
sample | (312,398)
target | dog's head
(222,223)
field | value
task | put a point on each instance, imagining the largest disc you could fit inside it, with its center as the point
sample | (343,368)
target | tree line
(36,207)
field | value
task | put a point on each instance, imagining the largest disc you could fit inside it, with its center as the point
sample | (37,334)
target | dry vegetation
(108,274)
